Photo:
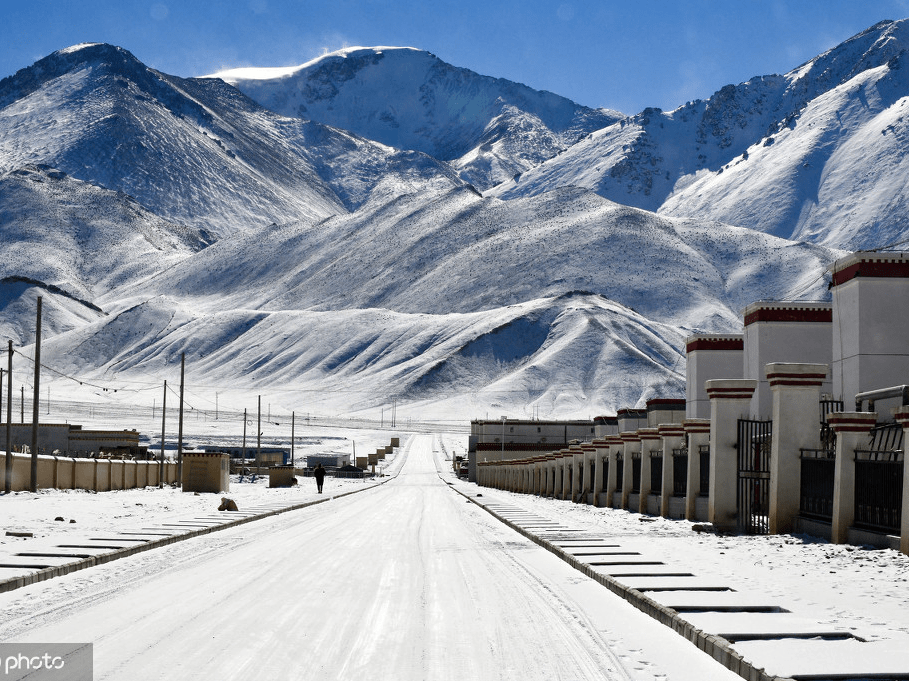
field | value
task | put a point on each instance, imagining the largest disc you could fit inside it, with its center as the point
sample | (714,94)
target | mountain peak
(489,128)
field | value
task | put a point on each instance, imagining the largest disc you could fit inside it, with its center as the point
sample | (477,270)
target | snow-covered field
(856,590)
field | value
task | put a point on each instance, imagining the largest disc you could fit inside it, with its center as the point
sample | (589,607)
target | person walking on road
(319,473)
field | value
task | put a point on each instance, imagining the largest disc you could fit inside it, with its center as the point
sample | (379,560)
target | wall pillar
(698,433)
(590,453)
(632,444)
(577,463)
(852,429)
(601,454)
(650,440)
(796,390)
(730,400)
(615,447)
(672,436)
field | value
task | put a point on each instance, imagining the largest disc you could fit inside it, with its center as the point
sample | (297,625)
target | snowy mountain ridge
(752,154)
(489,129)
(160,216)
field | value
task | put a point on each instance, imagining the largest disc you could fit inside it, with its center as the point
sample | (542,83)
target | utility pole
(291,439)
(7,486)
(163,421)
(243,465)
(22,405)
(259,436)
(1,392)
(33,486)
(180,427)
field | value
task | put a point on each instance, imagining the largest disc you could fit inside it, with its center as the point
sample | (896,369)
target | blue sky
(623,55)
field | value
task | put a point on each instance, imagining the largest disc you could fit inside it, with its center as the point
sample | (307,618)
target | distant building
(268,456)
(516,438)
(71,440)
(328,460)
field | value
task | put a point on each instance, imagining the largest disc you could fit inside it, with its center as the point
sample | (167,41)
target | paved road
(405,581)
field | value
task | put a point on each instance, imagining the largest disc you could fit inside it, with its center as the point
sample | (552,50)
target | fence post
(673,435)
(600,460)
(631,443)
(612,483)
(796,412)
(649,438)
(851,429)
(730,400)
(698,432)
(902,417)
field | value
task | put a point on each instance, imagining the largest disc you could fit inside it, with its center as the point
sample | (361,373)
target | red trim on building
(715,344)
(519,446)
(671,431)
(851,424)
(731,393)
(796,379)
(895,269)
(666,402)
(632,413)
(789,314)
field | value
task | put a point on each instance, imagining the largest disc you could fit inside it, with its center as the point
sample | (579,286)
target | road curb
(59,570)
(717,647)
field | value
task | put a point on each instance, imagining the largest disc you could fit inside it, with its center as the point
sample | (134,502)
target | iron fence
(816,497)
(753,490)
(879,480)
(704,453)
(635,472)
(680,472)
(656,471)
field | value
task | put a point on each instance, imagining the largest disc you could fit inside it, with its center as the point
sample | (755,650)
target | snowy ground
(852,589)
(404,581)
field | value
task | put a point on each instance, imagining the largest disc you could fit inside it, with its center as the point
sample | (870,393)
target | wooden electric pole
(33,486)
(163,423)
(243,464)
(7,486)
(259,437)
(180,427)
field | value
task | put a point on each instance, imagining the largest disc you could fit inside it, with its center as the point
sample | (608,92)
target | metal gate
(753,494)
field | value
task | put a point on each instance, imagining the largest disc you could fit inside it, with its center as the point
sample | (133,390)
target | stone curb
(717,647)
(60,570)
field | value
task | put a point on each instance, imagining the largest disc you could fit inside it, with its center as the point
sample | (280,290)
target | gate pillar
(698,432)
(902,417)
(631,444)
(796,392)
(852,429)
(730,400)
(673,435)
(577,467)
(599,462)
(650,440)
(615,446)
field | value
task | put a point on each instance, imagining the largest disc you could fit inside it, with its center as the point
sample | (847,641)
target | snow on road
(403,581)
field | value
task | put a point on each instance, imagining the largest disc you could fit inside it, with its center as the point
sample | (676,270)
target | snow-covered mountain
(489,129)
(160,215)
(816,154)
(196,152)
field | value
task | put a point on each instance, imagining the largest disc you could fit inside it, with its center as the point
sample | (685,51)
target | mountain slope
(794,155)
(455,252)
(488,128)
(557,356)
(193,151)
(178,216)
